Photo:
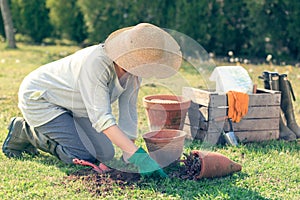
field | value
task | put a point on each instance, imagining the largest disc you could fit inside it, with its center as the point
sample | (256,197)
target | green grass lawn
(270,169)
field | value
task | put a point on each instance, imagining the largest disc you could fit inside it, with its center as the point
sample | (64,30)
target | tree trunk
(8,24)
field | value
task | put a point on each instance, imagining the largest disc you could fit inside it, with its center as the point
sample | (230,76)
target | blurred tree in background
(252,28)
(8,24)
(235,32)
(31,18)
(102,17)
(67,20)
(1,26)
(293,27)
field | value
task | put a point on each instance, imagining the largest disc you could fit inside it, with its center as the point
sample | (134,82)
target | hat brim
(136,61)
(163,67)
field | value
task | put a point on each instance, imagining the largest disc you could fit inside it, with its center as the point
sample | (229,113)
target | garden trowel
(230,136)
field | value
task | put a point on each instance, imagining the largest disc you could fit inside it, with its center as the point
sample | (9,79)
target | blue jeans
(76,138)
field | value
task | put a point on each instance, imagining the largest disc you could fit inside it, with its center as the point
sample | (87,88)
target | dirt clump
(190,170)
(101,184)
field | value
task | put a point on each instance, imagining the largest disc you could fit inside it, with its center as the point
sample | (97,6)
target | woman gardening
(66,104)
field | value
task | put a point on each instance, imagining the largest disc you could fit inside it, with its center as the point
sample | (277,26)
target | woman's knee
(67,155)
(107,155)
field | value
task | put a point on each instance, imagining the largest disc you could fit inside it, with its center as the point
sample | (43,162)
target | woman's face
(119,70)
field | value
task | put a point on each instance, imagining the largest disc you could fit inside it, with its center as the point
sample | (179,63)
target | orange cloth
(237,105)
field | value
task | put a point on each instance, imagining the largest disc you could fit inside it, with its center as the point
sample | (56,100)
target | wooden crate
(207,116)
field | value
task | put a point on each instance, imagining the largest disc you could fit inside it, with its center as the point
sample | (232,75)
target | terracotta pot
(166,111)
(214,164)
(165,146)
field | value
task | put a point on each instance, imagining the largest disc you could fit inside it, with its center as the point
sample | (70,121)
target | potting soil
(102,184)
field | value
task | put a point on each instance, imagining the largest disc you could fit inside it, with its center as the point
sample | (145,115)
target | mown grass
(270,169)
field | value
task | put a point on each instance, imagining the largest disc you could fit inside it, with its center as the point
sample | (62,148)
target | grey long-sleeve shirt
(84,83)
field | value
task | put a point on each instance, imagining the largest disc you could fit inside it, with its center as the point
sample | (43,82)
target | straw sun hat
(144,50)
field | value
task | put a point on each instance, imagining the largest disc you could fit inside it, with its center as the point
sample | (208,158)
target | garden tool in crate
(229,136)
(289,130)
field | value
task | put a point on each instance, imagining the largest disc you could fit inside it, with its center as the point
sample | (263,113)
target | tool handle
(86,163)
(230,124)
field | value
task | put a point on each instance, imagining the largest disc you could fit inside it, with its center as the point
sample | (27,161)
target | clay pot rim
(180,99)
(147,136)
(183,102)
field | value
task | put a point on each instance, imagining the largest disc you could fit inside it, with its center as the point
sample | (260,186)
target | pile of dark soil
(190,170)
(100,184)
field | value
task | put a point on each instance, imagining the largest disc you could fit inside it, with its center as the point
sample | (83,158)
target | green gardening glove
(146,165)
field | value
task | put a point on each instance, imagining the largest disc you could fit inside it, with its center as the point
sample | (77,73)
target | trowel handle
(230,124)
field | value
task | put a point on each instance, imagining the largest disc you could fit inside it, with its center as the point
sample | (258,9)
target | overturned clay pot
(214,164)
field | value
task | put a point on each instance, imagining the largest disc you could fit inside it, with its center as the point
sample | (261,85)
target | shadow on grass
(50,160)
(217,188)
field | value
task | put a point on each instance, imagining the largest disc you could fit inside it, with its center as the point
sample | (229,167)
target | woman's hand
(146,165)
(137,156)
(118,137)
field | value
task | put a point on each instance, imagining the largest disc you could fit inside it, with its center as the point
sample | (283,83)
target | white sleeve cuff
(104,123)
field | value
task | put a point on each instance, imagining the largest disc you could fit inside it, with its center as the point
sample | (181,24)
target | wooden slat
(201,97)
(212,138)
(209,114)
(257,136)
(187,128)
(218,100)
(253,113)
(255,125)
(213,99)
(260,99)
(194,115)
(217,114)
(243,125)
(264,99)
(263,112)
(203,113)
(243,136)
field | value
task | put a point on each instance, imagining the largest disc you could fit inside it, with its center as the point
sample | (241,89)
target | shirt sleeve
(128,108)
(93,84)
